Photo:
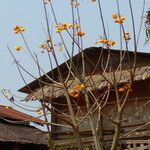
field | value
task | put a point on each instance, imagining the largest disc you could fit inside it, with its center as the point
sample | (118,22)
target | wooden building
(137,109)
(16,133)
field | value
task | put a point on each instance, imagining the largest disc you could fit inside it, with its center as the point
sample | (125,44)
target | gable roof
(10,113)
(96,82)
(91,53)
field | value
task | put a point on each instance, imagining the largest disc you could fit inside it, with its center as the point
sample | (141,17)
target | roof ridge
(18,115)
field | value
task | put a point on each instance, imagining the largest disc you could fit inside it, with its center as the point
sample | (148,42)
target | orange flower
(127,36)
(106,42)
(62,27)
(116,21)
(126,32)
(122,18)
(111,43)
(76,26)
(77,87)
(18,48)
(117,18)
(18,29)
(121,90)
(82,86)
(66,26)
(114,16)
(57,31)
(43,46)
(80,33)
(126,87)
(74,93)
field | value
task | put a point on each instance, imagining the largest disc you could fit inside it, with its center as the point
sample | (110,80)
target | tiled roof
(10,113)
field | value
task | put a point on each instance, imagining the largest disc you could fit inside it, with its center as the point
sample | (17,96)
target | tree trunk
(79,141)
(117,133)
(93,128)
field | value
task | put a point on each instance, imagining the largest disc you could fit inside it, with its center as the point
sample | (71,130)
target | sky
(30,14)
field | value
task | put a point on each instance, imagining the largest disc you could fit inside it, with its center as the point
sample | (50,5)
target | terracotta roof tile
(10,113)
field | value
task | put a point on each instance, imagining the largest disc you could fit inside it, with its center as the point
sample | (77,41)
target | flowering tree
(75,85)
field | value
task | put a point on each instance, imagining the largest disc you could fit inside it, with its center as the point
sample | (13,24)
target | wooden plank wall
(138,145)
(140,117)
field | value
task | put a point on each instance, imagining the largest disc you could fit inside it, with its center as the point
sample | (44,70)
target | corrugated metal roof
(10,113)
